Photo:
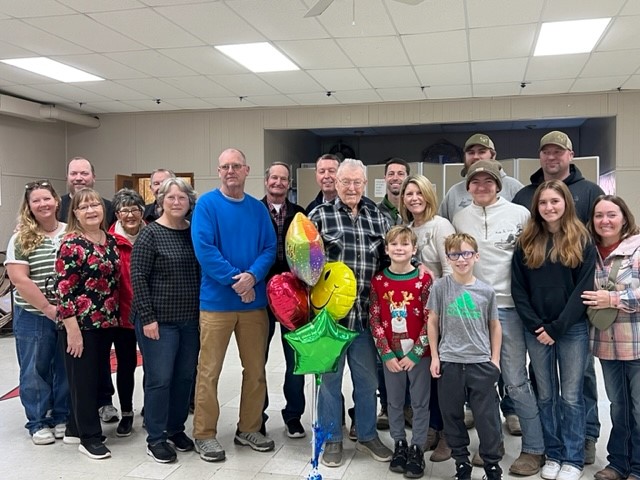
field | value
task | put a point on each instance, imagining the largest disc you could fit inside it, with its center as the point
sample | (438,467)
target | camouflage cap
(558,138)
(491,167)
(479,139)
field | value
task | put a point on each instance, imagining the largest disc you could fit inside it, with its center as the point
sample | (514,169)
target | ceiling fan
(322,5)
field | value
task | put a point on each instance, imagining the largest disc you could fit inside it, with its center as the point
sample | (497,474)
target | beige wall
(191,141)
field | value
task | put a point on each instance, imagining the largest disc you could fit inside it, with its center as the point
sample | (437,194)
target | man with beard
(395,171)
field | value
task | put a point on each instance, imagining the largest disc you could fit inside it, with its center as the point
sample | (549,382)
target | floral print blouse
(87,282)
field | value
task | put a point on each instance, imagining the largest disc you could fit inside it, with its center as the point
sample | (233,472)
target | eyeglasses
(84,208)
(130,211)
(37,184)
(231,166)
(467,254)
(355,183)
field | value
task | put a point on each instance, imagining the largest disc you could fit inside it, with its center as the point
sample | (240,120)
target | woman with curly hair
(88,273)
(31,255)
(553,264)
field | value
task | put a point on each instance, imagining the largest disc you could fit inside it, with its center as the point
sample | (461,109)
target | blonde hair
(568,242)
(30,234)
(84,195)
(428,193)
(401,231)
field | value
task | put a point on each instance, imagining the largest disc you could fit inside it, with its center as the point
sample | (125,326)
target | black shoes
(94,450)
(181,442)
(492,471)
(415,463)
(399,460)
(126,425)
(295,429)
(162,452)
(463,471)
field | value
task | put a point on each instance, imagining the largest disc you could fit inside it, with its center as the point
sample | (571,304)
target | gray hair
(352,163)
(182,185)
(162,170)
(127,198)
(267,172)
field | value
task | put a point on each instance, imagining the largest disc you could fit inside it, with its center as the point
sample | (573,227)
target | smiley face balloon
(335,290)
(304,249)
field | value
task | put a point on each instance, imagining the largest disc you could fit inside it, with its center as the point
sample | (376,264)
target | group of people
(451,300)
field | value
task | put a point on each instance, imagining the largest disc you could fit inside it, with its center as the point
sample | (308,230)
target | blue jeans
(513,363)
(361,355)
(622,382)
(168,363)
(43,381)
(591,399)
(561,400)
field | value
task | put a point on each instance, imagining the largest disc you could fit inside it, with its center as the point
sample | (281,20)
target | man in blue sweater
(235,244)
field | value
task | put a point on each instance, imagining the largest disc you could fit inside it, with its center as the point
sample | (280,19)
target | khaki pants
(251,330)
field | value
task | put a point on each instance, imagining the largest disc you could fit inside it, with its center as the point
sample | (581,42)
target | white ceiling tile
(291,82)
(448,91)
(204,60)
(444,74)
(496,89)
(153,87)
(14,51)
(33,8)
(315,54)
(607,64)
(190,103)
(35,95)
(19,76)
(633,83)
(157,3)
(230,102)
(580,9)
(374,51)
(150,106)
(598,84)
(245,84)
(631,8)
(487,13)
(342,79)
(502,42)
(548,87)
(72,92)
(151,62)
(16,32)
(147,27)
(442,47)
(198,86)
(100,65)
(390,77)
(90,6)
(621,35)
(370,19)
(110,107)
(198,19)
(358,96)
(431,16)
(81,29)
(313,99)
(113,90)
(552,67)
(498,71)
(272,100)
(401,94)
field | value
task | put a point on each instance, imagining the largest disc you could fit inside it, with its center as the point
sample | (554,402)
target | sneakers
(376,449)
(353,433)
(210,450)
(569,472)
(589,452)
(180,442)
(432,439)
(332,454)
(382,422)
(59,429)
(527,464)
(513,424)
(469,421)
(69,439)
(463,471)
(415,463)
(442,451)
(108,414)
(162,452)
(607,473)
(44,436)
(399,460)
(126,425)
(550,470)
(295,429)
(96,450)
(492,472)
(255,440)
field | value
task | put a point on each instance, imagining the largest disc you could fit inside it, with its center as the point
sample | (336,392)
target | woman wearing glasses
(88,273)
(31,256)
(128,205)
(553,264)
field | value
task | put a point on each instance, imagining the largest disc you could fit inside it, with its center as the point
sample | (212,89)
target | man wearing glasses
(496,224)
(235,244)
(353,231)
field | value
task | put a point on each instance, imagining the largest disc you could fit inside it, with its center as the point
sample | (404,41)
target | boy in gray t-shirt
(465,338)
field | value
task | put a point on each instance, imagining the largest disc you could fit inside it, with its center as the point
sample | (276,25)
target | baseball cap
(485,166)
(558,138)
(479,139)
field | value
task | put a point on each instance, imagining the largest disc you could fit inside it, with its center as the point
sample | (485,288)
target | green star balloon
(318,345)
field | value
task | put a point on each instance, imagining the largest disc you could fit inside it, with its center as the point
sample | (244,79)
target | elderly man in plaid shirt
(353,231)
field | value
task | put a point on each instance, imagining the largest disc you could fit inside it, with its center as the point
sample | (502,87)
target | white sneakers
(553,471)
(44,436)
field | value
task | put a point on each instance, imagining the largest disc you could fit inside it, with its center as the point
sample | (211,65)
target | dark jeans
(168,377)
(124,340)
(82,374)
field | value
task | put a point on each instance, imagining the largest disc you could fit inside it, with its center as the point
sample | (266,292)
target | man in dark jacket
(326,170)
(277,180)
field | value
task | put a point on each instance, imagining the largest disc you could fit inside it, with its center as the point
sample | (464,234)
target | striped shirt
(41,263)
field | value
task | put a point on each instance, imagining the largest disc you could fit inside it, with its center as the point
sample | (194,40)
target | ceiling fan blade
(318,8)
(411,2)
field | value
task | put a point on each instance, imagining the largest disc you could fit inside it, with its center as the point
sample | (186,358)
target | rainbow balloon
(304,250)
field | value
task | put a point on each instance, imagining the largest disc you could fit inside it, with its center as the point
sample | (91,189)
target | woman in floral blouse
(88,272)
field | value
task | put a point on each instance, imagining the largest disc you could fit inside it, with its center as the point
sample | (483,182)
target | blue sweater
(230,237)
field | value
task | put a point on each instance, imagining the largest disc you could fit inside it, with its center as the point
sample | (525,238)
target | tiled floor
(21,459)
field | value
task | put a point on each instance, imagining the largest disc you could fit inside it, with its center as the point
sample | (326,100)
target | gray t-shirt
(464,312)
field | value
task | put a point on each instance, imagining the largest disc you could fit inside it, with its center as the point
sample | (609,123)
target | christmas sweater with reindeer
(398,314)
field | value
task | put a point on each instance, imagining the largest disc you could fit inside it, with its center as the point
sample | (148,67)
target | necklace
(52,230)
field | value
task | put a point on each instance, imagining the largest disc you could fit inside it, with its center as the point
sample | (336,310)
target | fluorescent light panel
(258,57)
(52,69)
(576,36)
